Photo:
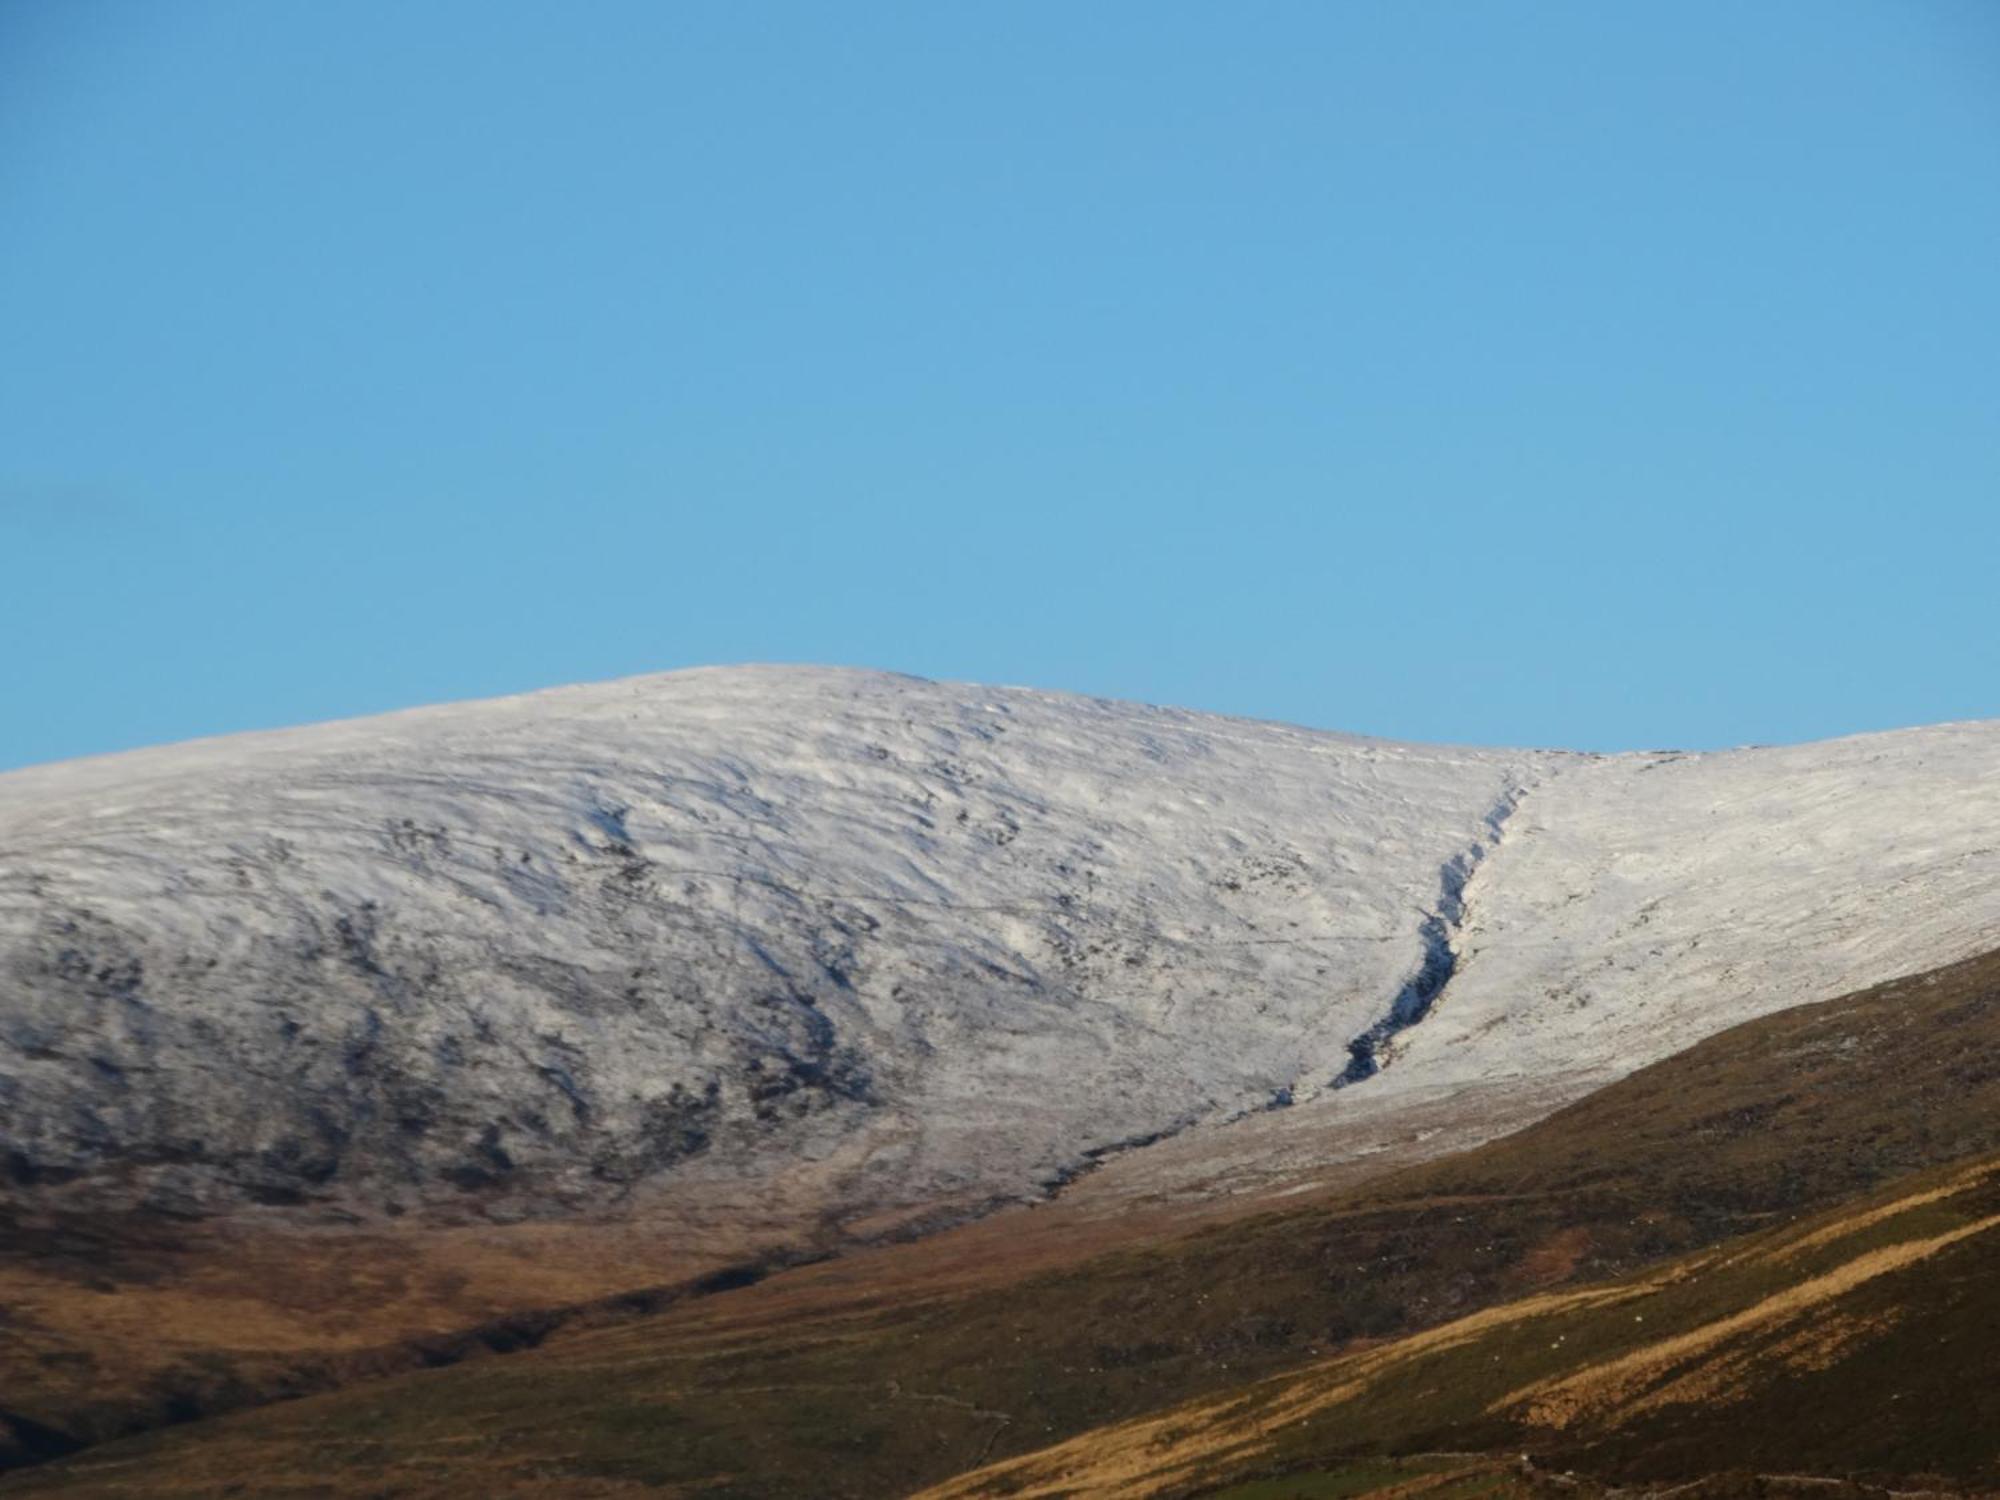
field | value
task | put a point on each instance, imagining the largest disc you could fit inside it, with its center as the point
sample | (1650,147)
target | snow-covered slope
(837,945)
(853,941)
(1636,904)
(1645,901)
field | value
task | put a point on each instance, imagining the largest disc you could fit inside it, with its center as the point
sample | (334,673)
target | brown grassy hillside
(880,1375)
(1859,1342)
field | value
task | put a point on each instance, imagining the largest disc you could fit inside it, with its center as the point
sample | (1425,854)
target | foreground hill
(892,1369)
(1859,1343)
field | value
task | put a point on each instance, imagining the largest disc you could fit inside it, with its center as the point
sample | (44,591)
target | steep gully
(1439,933)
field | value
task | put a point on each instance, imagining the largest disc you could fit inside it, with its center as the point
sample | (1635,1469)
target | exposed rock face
(836,944)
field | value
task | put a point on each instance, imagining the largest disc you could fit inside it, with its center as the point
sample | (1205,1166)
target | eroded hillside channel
(1439,934)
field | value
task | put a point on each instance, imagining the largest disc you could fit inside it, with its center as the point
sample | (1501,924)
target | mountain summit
(866,949)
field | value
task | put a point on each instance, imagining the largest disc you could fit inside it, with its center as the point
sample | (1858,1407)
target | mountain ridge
(817,936)
(743,838)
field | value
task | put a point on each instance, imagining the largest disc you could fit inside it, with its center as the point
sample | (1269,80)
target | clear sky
(1591,374)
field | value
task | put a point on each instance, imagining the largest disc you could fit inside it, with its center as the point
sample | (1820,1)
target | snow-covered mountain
(844,946)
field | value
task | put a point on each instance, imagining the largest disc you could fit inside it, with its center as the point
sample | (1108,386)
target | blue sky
(1584,374)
